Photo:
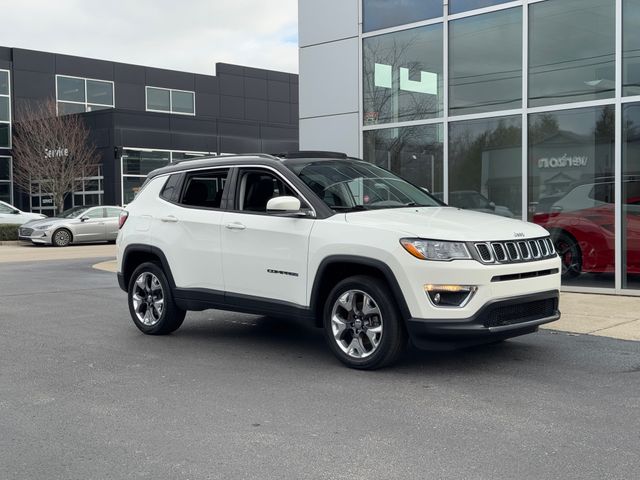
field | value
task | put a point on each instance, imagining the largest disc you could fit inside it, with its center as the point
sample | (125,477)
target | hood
(45,221)
(447,223)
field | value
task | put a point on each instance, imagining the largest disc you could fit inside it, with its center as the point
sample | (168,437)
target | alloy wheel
(356,324)
(148,299)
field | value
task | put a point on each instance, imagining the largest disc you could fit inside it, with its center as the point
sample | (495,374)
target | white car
(11,215)
(338,242)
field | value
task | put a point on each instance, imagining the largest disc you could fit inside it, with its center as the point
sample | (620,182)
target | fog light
(450,295)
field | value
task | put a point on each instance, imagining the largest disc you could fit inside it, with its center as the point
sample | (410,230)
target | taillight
(122,219)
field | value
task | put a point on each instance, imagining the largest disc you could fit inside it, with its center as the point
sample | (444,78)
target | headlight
(435,249)
(43,227)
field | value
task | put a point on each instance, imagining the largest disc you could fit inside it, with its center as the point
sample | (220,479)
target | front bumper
(34,236)
(496,320)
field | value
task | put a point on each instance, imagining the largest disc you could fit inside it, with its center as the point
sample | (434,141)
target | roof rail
(311,154)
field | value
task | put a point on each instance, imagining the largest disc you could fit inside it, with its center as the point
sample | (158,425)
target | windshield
(73,212)
(361,186)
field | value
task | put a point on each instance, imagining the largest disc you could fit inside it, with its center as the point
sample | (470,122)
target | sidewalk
(588,314)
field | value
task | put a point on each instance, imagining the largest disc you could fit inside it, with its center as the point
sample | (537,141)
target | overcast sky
(189,35)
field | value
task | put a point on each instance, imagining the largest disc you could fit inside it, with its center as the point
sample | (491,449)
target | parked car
(76,225)
(338,242)
(11,215)
(582,225)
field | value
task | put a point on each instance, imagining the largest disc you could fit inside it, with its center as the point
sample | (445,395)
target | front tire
(570,254)
(61,237)
(362,323)
(151,304)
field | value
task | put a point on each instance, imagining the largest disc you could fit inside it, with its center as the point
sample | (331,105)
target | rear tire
(151,304)
(362,323)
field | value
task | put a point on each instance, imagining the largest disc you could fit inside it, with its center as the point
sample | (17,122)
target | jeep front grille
(515,252)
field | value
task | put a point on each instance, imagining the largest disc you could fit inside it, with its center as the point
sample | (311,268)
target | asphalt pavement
(84,395)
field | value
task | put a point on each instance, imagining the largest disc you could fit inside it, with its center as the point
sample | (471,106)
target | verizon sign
(565,161)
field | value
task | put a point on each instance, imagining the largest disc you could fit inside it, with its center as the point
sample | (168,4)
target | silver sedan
(76,225)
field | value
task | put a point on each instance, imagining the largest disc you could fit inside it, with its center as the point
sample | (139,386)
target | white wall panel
(336,133)
(321,21)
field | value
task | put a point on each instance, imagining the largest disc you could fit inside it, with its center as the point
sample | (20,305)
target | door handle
(169,219)
(235,226)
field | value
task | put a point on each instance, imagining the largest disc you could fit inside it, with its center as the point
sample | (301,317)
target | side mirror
(283,205)
(84,219)
(16,212)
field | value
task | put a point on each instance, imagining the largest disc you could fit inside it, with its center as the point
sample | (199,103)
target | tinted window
(4,83)
(158,99)
(71,89)
(99,92)
(169,188)
(5,136)
(204,189)
(402,75)
(256,188)
(479,80)
(457,6)
(379,14)
(571,51)
(4,109)
(182,102)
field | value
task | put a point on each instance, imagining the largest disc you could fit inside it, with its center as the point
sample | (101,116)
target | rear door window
(204,189)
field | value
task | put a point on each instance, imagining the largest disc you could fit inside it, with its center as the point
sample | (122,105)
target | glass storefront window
(5,135)
(414,153)
(379,14)
(631,196)
(4,82)
(99,92)
(71,89)
(5,192)
(79,95)
(571,189)
(402,75)
(571,51)
(137,162)
(458,6)
(485,165)
(130,187)
(158,99)
(631,47)
(182,102)
(479,80)
(5,115)
(5,168)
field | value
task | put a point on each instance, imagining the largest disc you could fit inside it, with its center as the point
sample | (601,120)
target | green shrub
(8,232)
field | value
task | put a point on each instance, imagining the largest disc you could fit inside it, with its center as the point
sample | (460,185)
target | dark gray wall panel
(194,142)
(255,72)
(222,68)
(238,129)
(36,85)
(84,67)
(231,85)
(33,61)
(157,77)
(231,107)
(207,105)
(294,114)
(279,112)
(279,91)
(129,96)
(255,88)
(206,84)
(131,137)
(5,64)
(129,73)
(5,54)
(239,145)
(255,109)
(275,146)
(294,92)
(278,76)
(192,125)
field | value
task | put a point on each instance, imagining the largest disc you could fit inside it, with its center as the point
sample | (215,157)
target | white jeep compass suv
(339,242)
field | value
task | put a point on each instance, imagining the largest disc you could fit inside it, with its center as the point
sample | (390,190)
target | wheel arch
(338,267)
(137,254)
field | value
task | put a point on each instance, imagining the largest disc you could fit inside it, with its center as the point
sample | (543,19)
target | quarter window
(170,101)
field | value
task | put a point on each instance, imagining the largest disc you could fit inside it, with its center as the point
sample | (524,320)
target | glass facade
(170,101)
(515,108)
(5,110)
(5,180)
(138,163)
(379,14)
(79,95)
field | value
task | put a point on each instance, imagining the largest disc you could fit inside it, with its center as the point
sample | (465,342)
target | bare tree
(52,150)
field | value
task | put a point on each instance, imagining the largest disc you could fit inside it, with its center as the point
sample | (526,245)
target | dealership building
(141,118)
(527,108)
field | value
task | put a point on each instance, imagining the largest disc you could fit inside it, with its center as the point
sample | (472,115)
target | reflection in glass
(571,189)
(485,165)
(571,51)
(402,75)
(130,187)
(5,192)
(4,83)
(379,14)
(5,135)
(5,115)
(71,89)
(99,92)
(631,47)
(479,79)
(414,153)
(93,108)
(631,196)
(136,162)
(182,102)
(457,6)
(158,99)
(5,168)
(65,108)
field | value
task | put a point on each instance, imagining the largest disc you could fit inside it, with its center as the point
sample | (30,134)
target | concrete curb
(108,266)
(9,243)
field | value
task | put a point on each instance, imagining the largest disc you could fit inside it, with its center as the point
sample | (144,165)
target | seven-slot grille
(518,251)
(25,232)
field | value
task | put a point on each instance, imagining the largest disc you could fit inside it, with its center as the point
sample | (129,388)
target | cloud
(191,35)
